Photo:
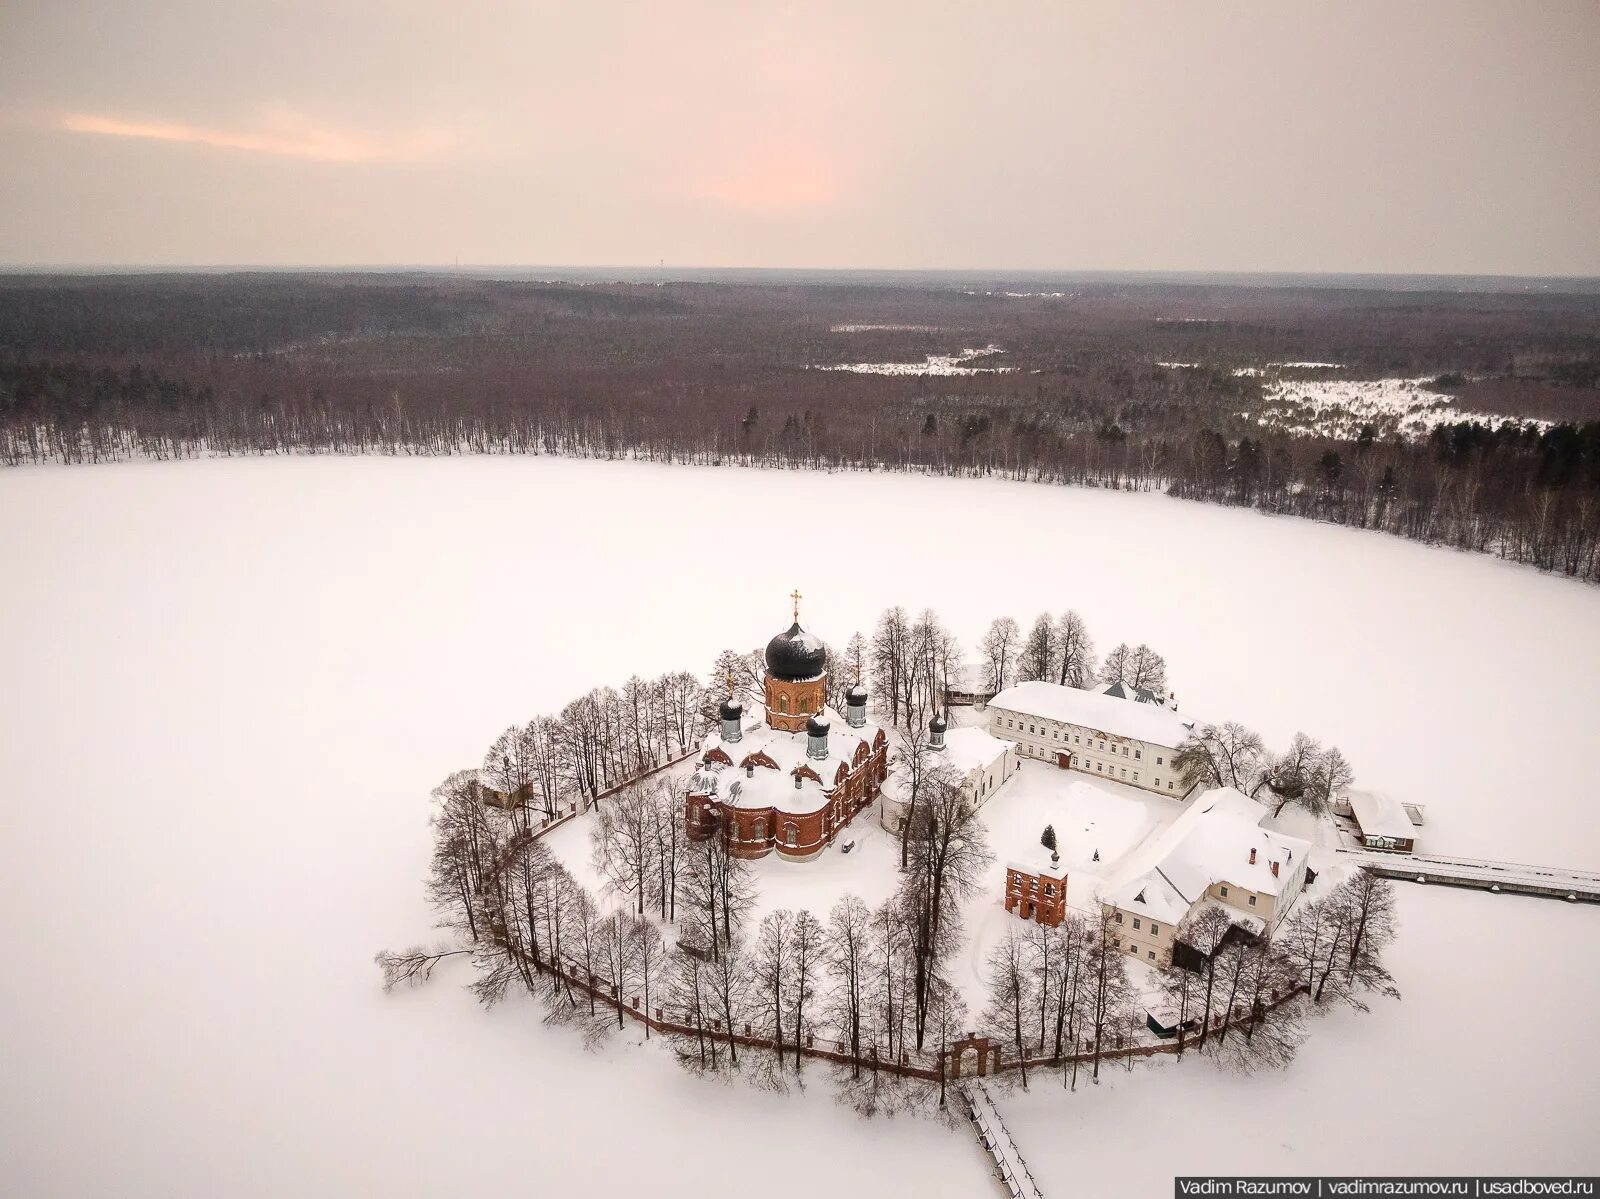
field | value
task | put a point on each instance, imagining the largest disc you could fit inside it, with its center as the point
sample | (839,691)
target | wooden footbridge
(995,1138)
(1551,882)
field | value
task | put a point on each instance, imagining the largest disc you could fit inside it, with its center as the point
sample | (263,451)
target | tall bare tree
(1000,647)
(1076,660)
(1010,990)
(1039,650)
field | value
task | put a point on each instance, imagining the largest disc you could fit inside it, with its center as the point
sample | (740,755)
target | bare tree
(1040,650)
(1010,987)
(1373,924)
(1204,930)
(647,952)
(846,949)
(615,955)
(1147,669)
(889,655)
(807,951)
(948,854)
(1181,991)
(771,971)
(1329,775)
(916,764)
(1109,992)
(411,967)
(1289,774)
(999,647)
(1116,667)
(1075,651)
(621,841)
(729,980)
(1227,755)
(947,1019)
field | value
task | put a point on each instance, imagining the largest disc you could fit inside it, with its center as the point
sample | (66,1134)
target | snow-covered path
(1556,882)
(998,1142)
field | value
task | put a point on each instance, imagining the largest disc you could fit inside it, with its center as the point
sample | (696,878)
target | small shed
(1383,821)
(1164,1023)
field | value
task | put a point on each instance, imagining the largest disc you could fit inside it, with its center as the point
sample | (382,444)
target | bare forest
(1076,387)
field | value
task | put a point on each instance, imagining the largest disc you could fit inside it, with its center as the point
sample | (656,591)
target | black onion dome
(937,724)
(817,726)
(857,694)
(731,709)
(795,655)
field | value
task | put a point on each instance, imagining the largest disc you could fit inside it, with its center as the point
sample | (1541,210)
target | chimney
(1274,870)
(1252,855)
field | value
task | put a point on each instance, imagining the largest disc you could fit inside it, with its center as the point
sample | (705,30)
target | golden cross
(795,596)
(730,684)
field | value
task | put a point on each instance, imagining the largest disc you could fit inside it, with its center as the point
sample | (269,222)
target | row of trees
(914,661)
(596,741)
(1306,774)
(1058,649)
(1057,994)
(874,982)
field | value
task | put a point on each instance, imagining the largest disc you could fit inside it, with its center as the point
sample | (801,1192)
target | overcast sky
(1454,137)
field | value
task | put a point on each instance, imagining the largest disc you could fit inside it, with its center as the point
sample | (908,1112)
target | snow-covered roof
(1210,842)
(1152,723)
(1036,860)
(1150,894)
(768,788)
(1381,815)
(969,749)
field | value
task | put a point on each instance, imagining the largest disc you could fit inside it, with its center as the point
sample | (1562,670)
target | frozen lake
(230,685)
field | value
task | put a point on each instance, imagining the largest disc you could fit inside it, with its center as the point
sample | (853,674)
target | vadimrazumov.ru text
(1475,1187)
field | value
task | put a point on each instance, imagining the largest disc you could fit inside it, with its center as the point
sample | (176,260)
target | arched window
(783,704)
(789,833)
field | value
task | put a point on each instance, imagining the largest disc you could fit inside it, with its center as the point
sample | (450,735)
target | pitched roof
(1154,723)
(1209,842)
(1381,815)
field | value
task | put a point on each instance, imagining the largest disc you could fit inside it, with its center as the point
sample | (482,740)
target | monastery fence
(990,1057)
(577,807)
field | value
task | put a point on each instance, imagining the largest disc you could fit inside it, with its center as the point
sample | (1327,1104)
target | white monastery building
(1215,852)
(1126,739)
(984,762)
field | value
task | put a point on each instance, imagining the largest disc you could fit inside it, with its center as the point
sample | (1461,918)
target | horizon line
(69,268)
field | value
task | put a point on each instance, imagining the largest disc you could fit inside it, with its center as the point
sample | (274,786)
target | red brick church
(793,776)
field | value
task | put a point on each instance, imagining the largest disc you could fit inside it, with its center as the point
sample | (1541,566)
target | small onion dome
(817,726)
(937,724)
(795,654)
(857,694)
(731,709)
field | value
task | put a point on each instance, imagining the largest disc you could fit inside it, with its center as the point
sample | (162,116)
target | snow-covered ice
(229,686)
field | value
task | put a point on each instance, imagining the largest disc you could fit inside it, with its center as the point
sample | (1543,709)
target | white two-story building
(1095,732)
(1215,852)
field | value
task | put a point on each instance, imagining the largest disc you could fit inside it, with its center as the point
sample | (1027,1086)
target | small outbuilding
(1036,886)
(1382,821)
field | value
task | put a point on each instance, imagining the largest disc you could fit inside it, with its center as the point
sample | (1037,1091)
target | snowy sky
(1454,136)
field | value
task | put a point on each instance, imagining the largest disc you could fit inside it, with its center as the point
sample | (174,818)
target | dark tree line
(100,369)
